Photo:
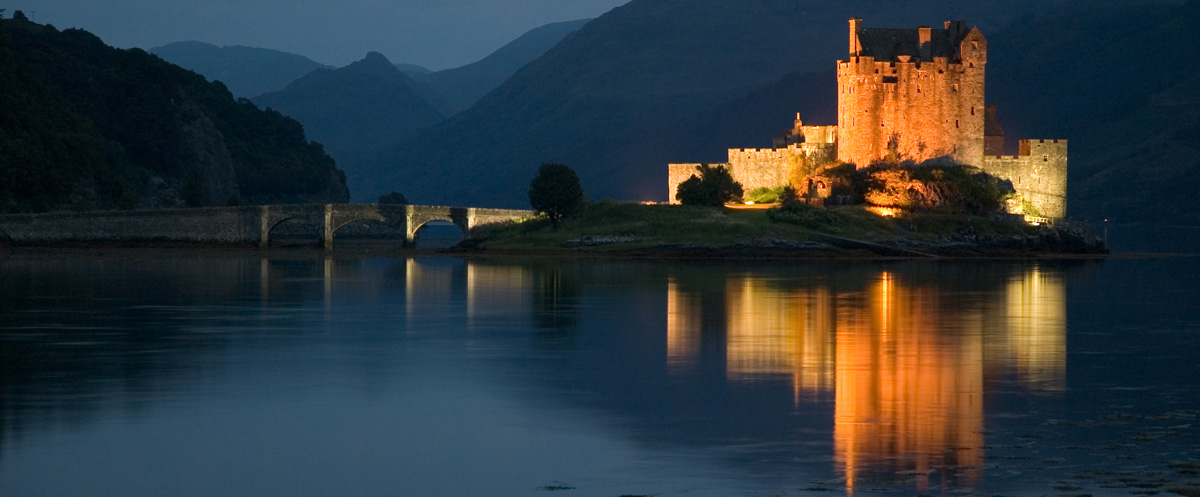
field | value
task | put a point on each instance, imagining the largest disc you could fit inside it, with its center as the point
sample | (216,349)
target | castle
(906,94)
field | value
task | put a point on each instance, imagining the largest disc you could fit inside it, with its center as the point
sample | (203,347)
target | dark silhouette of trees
(715,186)
(555,191)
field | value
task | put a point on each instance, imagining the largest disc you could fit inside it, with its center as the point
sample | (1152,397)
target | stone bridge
(246,225)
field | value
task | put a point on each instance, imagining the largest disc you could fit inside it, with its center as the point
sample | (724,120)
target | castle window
(956,123)
(972,111)
(954,88)
(974,45)
(890,79)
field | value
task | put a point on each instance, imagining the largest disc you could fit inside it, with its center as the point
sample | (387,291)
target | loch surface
(200,373)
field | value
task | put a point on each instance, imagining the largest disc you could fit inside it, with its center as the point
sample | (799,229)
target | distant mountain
(639,69)
(463,86)
(412,69)
(84,125)
(1123,85)
(354,109)
(246,71)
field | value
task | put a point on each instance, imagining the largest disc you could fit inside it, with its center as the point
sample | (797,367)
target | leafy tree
(555,191)
(715,186)
(393,198)
(20,16)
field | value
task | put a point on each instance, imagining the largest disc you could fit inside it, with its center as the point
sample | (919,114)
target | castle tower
(912,94)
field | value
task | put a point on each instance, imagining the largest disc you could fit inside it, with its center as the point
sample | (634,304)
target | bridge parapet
(243,225)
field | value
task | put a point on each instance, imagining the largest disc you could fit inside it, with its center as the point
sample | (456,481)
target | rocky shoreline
(1065,240)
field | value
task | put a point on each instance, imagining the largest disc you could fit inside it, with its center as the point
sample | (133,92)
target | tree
(393,198)
(19,16)
(555,191)
(715,186)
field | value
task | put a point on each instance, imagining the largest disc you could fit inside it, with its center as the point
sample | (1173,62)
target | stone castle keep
(908,94)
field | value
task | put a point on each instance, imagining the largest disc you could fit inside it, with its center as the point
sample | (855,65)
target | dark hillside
(1120,84)
(246,71)
(463,86)
(638,69)
(364,104)
(86,125)
(355,109)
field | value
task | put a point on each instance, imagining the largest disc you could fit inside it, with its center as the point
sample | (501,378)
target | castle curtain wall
(1038,174)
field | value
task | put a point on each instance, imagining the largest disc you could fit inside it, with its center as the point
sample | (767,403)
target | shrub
(765,195)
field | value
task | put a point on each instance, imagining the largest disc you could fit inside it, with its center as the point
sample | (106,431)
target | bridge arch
(271,229)
(418,217)
(416,230)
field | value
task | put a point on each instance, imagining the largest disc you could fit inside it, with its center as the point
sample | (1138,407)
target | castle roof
(886,44)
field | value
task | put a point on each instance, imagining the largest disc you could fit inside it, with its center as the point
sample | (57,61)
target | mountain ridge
(246,71)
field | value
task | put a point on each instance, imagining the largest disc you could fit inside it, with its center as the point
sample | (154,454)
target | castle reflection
(906,363)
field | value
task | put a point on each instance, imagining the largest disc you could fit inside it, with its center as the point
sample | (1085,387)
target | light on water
(188,373)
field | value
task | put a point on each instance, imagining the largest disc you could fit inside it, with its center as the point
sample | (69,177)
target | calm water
(144,373)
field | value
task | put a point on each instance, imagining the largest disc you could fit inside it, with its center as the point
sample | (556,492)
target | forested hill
(84,125)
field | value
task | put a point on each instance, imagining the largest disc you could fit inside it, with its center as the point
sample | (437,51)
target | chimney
(925,38)
(855,46)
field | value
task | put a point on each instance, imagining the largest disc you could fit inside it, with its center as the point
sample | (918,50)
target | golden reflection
(426,285)
(909,397)
(906,364)
(1037,345)
(497,289)
(780,333)
(683,328)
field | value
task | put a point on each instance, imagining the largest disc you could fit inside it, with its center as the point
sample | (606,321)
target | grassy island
(630,229)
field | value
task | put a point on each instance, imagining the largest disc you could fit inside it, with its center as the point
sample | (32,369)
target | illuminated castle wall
(910,94)
(916,93)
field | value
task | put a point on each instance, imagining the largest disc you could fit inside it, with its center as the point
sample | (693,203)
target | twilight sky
(438,34)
